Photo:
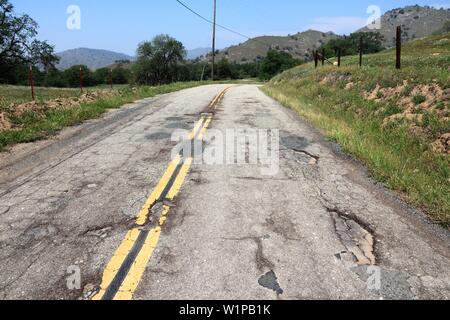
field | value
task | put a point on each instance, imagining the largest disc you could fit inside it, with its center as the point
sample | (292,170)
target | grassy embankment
(21,94)
(38,124)
(389,119)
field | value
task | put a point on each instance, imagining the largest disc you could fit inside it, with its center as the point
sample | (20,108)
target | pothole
(158,136)
(270,281)
(175,119)
(357,238)
(89,291)
(297,145)
(101,232)
(292,141)
(158,213)
(314,159)
(178,125)
(35,233)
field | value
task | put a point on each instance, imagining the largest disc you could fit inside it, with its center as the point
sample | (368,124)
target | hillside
(92,58)
(300,45)
(396,121)
(196,53)
(416,21)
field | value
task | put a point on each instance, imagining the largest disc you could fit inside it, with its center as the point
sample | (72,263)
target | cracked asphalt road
(315,230)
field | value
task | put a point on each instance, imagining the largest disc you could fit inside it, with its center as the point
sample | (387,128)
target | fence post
(339,56)
(31,82)
(398,41)
(360,50)
(110,79)
(316,59)
(323,57)
(81,80)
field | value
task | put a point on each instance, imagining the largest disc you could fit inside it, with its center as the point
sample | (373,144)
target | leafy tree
(121,75)
(18,45)
(349,45)
(72,76)
(276,62)
(101,76)
(158,60)
(54,78)
(224,69)
(42,53)
(446,27)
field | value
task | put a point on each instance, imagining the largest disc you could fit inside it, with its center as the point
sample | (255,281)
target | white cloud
(339,25)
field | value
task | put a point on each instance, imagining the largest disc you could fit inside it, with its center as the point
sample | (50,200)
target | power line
(220,26)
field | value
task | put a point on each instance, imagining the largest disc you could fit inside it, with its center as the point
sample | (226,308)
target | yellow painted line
(216,98)
(164,215)
(116,261)
(205,127)
(134,275)
(220,97)
(196,128)
(143,214)
(180,179)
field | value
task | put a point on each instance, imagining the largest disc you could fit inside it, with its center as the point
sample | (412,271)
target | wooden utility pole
(323,57)
(398,44)
(214,41)
(360,50)
(31,82)
(203,72)
(316,58)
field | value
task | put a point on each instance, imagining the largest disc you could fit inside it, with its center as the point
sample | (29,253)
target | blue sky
(120,25)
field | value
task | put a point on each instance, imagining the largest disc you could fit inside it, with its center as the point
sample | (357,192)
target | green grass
(402,160)
(21,94)
(34,126)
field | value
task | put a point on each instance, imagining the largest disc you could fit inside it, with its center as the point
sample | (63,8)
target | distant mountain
(197,53)
(299,45)
(92,58)
(416,21)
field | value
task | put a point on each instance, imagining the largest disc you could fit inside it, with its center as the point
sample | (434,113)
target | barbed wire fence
(321,56)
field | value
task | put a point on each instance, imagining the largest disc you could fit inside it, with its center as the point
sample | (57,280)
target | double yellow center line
(123,273)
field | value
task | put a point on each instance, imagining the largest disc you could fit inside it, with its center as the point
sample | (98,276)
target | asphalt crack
(102,231)
(314,157)
(4,210)
(261,261)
